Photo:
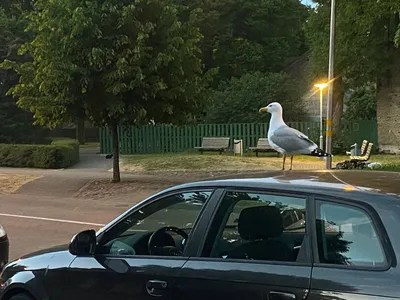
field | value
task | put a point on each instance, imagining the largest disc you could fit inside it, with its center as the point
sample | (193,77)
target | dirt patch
(148,184)
(100,189)
(157,180)
(10,183)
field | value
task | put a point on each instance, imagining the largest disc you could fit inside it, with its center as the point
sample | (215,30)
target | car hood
(48,252)
(39,261)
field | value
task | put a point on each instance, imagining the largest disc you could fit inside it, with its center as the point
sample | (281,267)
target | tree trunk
(80,131)
(115,140)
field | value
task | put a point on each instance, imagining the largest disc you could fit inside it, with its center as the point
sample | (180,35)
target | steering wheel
(155,249)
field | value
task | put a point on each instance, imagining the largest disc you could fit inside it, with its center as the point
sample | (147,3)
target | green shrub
(59,154)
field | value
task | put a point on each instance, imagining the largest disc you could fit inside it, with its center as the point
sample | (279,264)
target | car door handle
(155,288)
(281,296)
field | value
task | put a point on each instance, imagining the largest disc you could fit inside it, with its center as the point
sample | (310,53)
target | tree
(15,123)
(238,100)
(246,36)
(365,36)
(124,62)
(242,36)
(361,104)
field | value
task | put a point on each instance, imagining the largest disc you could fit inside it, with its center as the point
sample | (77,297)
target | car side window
(346,235)
(257,226)
(160,228)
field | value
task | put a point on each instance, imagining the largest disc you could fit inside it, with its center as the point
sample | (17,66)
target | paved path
(66,182)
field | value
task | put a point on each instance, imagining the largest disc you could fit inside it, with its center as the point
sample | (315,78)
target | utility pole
(329,110)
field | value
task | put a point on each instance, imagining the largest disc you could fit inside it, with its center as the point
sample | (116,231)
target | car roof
(367,186)
(337,183)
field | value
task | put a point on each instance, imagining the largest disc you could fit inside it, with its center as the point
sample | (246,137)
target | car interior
(161,228)
(261,232)
(166,243)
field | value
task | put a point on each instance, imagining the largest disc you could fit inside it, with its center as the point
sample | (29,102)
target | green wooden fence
(168,138)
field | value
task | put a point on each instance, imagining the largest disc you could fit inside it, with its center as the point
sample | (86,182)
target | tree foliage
(248,41)
(238,100)
(15,123)
(243,36)
(123,62)
(361,104)
(366,32)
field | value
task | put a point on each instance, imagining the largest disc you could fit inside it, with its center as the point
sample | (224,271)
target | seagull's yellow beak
(263,109)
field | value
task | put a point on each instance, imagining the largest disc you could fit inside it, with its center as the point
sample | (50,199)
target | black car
(302,236)
(4,247)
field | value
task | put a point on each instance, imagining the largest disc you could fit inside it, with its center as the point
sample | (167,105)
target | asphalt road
(34,223)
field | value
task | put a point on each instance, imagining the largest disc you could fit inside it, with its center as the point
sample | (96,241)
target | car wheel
(21,297)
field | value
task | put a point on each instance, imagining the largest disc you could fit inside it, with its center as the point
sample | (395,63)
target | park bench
(356,162)
(363,149)
(262,146)
(217,144)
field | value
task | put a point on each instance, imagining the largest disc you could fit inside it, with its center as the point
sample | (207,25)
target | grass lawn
(209,162)
(90,146)
(95,145)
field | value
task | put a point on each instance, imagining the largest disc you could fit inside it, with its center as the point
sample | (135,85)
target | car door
(123,267)
(257,247)
(353,256)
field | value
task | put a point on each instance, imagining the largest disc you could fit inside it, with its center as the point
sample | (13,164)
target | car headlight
(2,232)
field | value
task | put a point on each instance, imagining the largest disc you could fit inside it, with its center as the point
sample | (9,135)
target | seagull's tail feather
(320,153)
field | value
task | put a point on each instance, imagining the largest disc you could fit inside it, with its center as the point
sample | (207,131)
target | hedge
(59,154)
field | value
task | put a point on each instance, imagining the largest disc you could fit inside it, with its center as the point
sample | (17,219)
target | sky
(307,2)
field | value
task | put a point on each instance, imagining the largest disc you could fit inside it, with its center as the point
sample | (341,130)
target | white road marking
(50,220)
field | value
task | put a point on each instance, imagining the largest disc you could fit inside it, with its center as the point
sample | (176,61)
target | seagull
(287,140)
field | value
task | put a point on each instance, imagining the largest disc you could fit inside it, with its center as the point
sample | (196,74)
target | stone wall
(388,109)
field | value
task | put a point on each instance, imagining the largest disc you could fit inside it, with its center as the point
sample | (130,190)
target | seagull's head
(272,108)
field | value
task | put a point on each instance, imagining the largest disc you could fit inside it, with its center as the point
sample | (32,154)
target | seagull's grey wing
(292,140)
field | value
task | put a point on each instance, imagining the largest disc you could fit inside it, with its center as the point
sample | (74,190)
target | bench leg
(256,153)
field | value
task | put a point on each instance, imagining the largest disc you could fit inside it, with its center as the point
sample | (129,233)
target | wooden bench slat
(364,157)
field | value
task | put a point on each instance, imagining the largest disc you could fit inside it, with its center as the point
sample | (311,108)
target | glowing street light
(321,87)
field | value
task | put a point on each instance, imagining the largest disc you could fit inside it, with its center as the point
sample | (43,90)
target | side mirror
(83,243)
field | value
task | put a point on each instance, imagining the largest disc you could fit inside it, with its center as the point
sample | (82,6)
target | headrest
(260,222)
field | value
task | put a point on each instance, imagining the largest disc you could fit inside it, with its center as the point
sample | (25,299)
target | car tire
(21,297)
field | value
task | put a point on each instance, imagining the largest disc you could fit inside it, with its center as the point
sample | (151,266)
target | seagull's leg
(284,159)
(291,162)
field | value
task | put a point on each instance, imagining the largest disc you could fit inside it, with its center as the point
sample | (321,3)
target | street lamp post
(329,108)
(321,87)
